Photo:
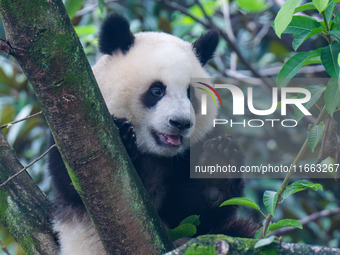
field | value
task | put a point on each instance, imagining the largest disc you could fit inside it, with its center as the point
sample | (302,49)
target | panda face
(147,82)
(169,120)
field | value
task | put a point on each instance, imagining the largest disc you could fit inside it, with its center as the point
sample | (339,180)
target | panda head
(145,78)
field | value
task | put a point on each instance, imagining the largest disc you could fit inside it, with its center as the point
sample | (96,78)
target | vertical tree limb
(23,207)
(46,46)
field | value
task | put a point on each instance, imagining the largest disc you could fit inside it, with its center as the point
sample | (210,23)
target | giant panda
(145,80)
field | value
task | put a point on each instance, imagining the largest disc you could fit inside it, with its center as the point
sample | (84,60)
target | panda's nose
(181,124)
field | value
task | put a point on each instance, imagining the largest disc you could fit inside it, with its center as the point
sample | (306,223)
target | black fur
(66,193)
(115,35)
(167,180)
(174,194)
(150,98)
(205,46)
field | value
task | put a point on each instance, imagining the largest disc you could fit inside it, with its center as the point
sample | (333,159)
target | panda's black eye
(155,92)
(157,89)
(188,92)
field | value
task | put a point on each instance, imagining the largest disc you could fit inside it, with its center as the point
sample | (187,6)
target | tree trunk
(40,36)
(23,207)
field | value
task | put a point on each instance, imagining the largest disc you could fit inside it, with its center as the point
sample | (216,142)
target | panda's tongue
(170,139)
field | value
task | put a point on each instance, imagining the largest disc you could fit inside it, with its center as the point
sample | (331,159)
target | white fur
(78,236)
(154,57)
(122,80)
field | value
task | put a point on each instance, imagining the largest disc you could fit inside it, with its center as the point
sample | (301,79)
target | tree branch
(223,245)
(5,47)
(24,209)
(8,125)
(101,171)
(4,248)
(210,25)
(29,165)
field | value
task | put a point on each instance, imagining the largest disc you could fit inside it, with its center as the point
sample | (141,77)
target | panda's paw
(223,150)
(128,136)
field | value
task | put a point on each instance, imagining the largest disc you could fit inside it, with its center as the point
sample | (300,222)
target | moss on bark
(23,207)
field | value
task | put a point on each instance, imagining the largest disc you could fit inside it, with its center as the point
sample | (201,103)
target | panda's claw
(128,136)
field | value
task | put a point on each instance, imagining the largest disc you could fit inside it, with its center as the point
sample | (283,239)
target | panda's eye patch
(188,92)
(154,93)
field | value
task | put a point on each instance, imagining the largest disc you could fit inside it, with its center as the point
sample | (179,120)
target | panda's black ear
(205,46)
(115,35)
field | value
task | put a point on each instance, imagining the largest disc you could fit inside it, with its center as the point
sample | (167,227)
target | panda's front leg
(223,150)
(128,136)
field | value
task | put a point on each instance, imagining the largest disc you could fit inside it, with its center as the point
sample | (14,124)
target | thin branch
(4,248)
(242,77)
(5,47)
(30,164)
(207,17)
(227,21)
(286,180)
(230,34)
(8,125)
(308,219)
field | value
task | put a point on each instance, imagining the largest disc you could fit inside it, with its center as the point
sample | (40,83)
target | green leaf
(292,66)
(85,30)
(305,7)
(300,186)
(185,230)
(320,5)
(290,191)
(258,233)
(336,19)
(285,223)
(329,12)
(313,61)
(307,185)
(314,134)
(335,33)
(300,24)
(269,201)
(332,96)
(72,6)
(101,4)
(284,16)
(241,201)
(316,92)
(264,242)
(331,166)
(193,219)
(300,38)
(329,58)
(252,5)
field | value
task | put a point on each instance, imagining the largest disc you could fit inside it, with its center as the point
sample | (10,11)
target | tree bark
(223,245)
(41,38)
(23,207)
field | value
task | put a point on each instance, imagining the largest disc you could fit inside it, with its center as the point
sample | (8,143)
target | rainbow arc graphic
(209,93)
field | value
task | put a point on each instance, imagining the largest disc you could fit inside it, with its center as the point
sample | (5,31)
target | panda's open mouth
(169,140)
